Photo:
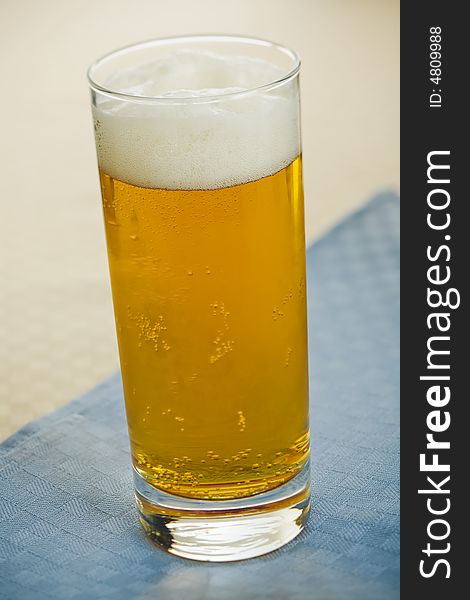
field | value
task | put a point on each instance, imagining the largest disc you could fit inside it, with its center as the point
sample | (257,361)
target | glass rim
(161,41)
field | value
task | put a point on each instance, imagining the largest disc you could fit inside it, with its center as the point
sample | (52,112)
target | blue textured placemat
(68,528)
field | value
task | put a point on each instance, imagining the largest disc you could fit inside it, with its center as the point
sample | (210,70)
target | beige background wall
(56,328)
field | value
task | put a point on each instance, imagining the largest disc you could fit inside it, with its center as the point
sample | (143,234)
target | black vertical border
(424,129)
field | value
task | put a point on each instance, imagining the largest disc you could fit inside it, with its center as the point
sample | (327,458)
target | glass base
(220,531)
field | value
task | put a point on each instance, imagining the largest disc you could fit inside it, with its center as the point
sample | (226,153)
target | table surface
(57,334)
(68,529)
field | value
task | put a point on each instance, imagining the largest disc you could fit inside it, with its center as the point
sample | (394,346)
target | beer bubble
(288,355)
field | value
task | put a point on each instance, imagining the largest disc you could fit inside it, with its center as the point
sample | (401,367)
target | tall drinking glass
(198,142)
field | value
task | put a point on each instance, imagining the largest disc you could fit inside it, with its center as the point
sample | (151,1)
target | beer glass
(198,143)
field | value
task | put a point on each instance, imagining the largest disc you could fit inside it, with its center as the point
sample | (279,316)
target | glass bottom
(220,531)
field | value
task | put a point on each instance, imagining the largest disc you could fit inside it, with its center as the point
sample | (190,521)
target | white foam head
(209,133)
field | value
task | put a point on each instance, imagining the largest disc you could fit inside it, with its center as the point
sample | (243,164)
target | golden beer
(209,298)
(199,153)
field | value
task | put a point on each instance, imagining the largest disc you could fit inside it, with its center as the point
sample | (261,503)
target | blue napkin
(68,527)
